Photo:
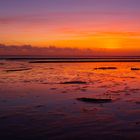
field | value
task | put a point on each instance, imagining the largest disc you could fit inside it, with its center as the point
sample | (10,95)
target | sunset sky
(94,24)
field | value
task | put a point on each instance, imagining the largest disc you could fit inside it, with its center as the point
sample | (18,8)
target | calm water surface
(35,102)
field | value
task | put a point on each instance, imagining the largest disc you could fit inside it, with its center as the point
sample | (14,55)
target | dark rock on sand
(135,68)
(138,102)
(94,100)
(74,82)
(3,117)
(39,106)
(20,69)
(106,68)
(137,123)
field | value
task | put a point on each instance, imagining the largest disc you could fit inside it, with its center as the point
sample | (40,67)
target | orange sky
(92,24)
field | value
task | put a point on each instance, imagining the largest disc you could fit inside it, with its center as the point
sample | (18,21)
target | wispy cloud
(53,51)
(23,19)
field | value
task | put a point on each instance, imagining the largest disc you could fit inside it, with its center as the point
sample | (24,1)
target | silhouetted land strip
(94,100)
(65,57)
(83,60)
(38,59)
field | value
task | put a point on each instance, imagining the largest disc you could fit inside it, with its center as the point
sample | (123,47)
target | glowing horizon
(94,24)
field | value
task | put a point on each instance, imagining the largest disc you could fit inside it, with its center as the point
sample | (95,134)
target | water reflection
(40,100)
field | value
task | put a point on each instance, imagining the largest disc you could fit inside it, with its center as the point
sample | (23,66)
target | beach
(47,100)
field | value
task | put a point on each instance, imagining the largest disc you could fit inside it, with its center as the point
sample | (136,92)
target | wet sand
(39,101)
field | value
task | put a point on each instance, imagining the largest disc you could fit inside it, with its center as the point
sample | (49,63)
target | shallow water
(35,102)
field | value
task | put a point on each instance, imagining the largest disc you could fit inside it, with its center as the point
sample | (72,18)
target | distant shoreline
(74,60)
(67,57)
(85,61)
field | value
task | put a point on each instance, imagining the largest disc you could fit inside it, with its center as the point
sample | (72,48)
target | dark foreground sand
(41,101)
